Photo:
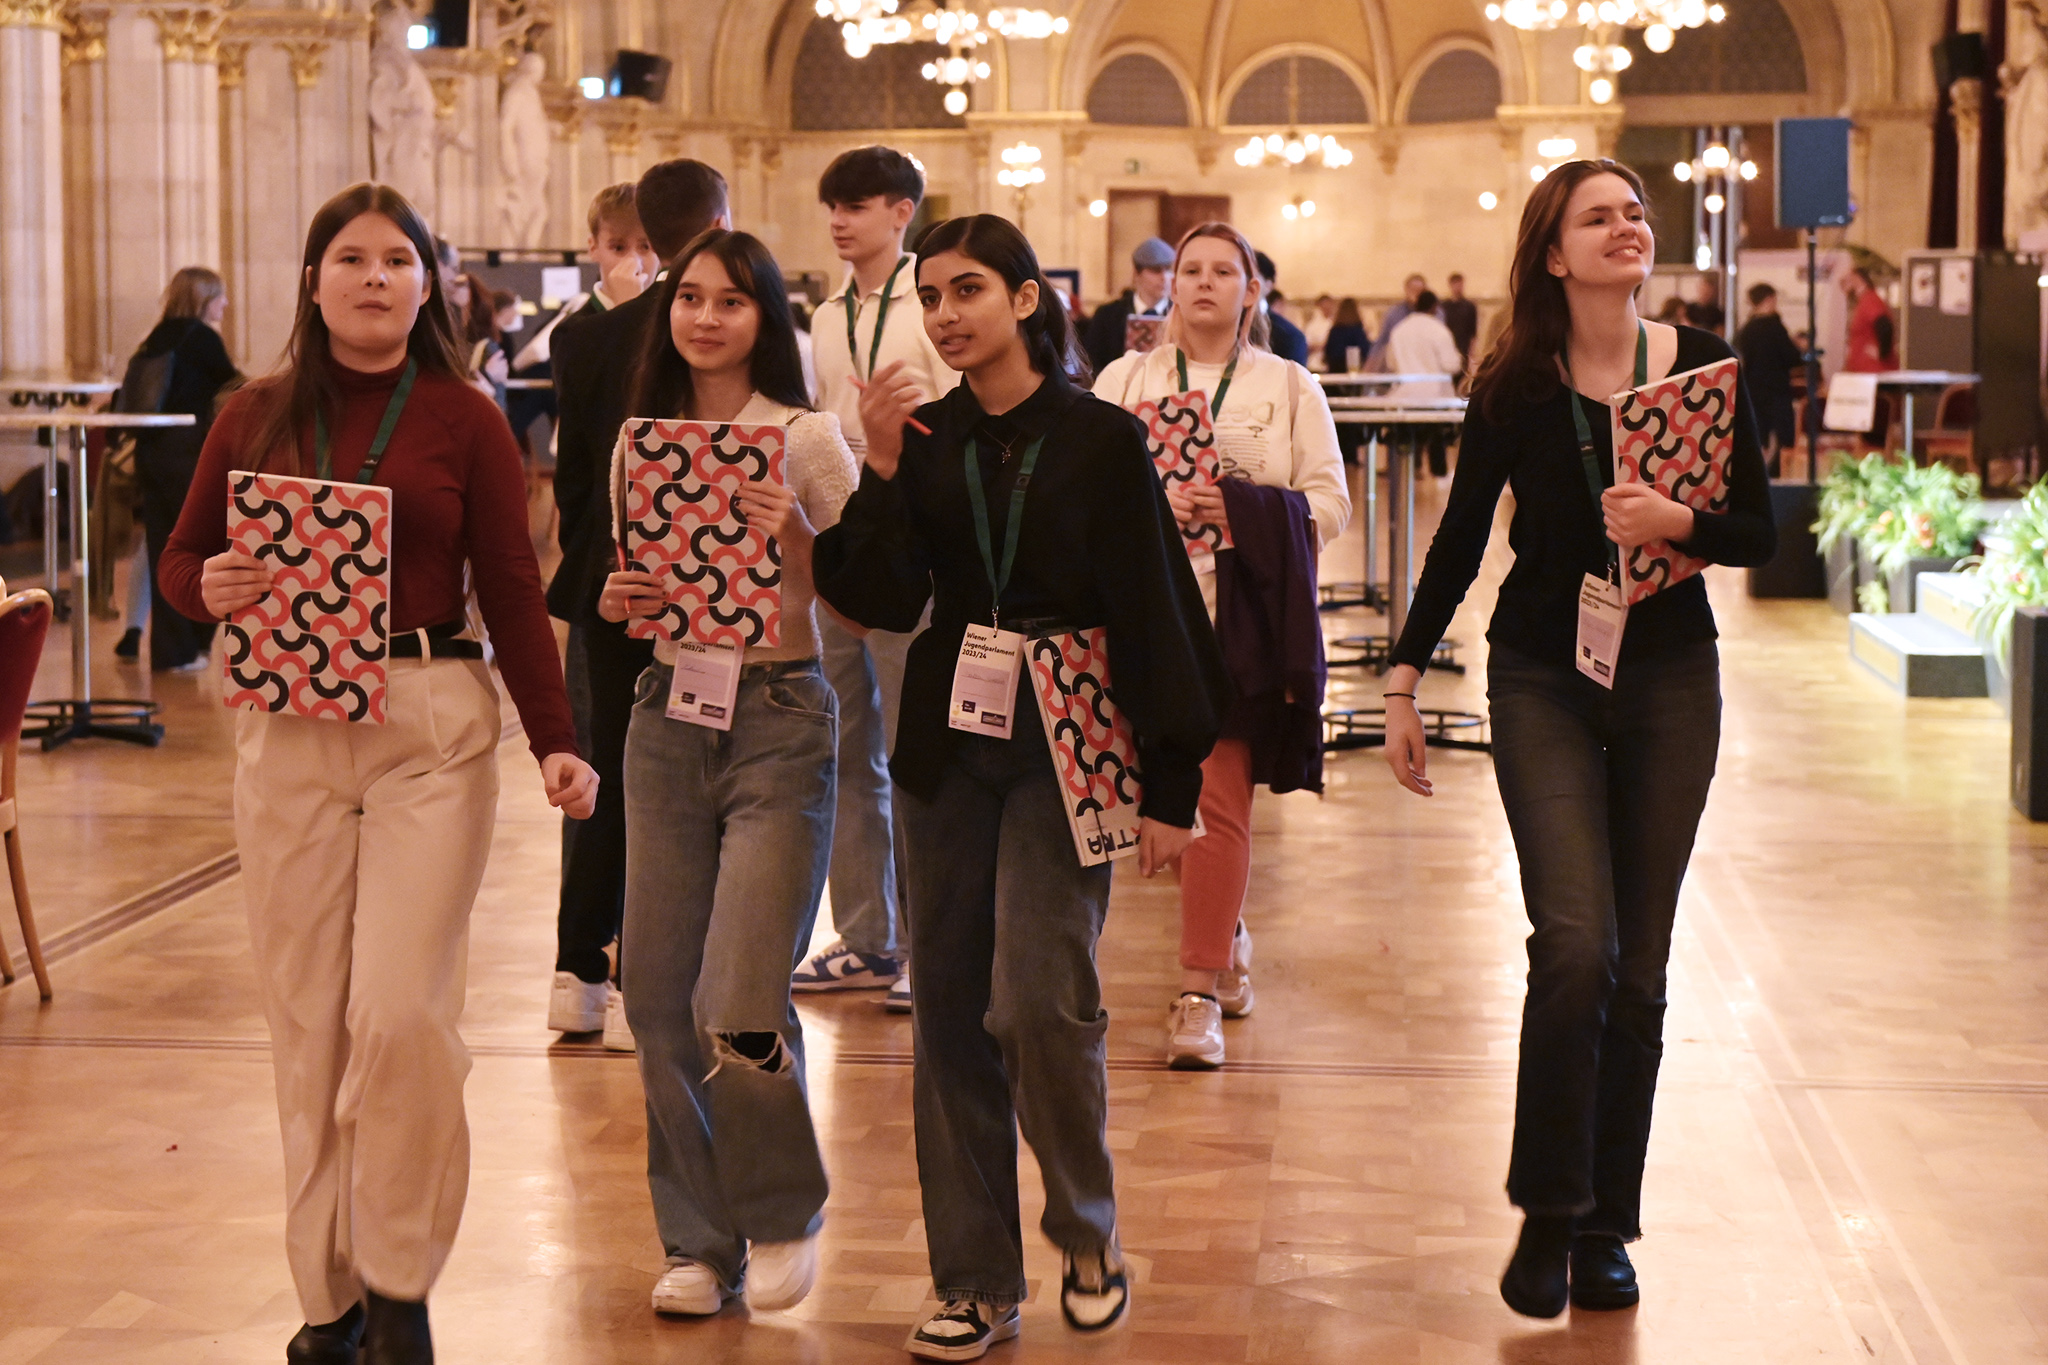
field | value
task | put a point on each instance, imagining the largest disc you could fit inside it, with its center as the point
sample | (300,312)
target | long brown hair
(303,382)
(1252,328)
(190,291)
(661,383)
(1522,366)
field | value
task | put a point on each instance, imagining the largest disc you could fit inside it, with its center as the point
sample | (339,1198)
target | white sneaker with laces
(1234,986)
(963,1329)
(837,967)
(1194,1034)
(618,1037)
(1095,1288)
(780,1274)
(690,1288)
(897,1001)
(576,1005)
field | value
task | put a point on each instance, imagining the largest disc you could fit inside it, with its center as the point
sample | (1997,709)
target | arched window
(1754,51)
(1298,89)
(885,89)
(1137,91)
(1458,87)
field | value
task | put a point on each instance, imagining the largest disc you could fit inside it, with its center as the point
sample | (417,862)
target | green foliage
(2014,570)
(1934,513)
(1853,495)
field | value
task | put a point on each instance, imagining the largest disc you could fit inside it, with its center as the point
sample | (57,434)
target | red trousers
(1217,868)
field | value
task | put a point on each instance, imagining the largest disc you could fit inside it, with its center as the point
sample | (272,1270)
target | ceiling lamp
(1298,207)
(1294,148)
(1488,200)
(1021,170)
(1537,16)
(1026,23)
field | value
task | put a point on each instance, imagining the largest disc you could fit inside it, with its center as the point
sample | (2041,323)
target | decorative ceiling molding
(1266,56)
(1145,47)
(280,25)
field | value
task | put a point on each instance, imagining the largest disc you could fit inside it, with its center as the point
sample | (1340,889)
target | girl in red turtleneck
(363,845)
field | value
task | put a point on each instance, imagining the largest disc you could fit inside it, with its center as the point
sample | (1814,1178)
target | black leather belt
(440,640)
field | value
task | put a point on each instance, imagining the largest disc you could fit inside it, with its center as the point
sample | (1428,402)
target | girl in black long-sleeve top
(1603,788)
(1003,917)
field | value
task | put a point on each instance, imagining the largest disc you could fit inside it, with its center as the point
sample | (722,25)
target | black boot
(395,1333)
(1536,1283)
(1602,1276)
(332,1343)
(130,647)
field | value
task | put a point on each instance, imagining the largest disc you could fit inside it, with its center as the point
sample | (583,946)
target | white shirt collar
(905,283)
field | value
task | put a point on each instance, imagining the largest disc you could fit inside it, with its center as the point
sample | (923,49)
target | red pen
(920,427)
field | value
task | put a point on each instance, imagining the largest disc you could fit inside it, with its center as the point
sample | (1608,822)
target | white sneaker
(897,1001)
(837,967)
(1194,1034)
(617,1036)
(1234,986)
(690,1288)
(576,1005)
(1094,1290)
(963,1330)
(780,1274)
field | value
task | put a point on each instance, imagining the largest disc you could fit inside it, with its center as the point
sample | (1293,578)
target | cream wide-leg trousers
(362,849)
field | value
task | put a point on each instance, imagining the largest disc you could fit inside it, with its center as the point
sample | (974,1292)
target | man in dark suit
(1147,295)
(1288,341)
(594,356)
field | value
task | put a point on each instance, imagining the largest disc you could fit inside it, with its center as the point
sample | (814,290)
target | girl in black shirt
(1603,788)
(1003,917)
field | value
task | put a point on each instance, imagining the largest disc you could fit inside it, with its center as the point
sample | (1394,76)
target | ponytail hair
(996,243)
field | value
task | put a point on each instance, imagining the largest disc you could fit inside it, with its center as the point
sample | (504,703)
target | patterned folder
(724,577)
(1093,750)
(1182,440)
(1677,434)
(316,646)
(1144,331)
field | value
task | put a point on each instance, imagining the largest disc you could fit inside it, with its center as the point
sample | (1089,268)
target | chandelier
(865,25)
(1603,55)
(1293,148)
(1717,176)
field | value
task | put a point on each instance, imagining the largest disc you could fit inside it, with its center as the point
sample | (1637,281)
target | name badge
(985,681)
(707,679)
(1602,616)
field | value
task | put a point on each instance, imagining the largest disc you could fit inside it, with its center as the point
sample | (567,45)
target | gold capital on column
(85,38)
(447,94)
(188,35)
(234,65)
(32,14)
(309,61)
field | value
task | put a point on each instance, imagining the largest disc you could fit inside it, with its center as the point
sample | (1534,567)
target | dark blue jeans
(1008,1013)
(1603,792)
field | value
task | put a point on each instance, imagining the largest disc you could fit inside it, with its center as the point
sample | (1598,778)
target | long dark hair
(1522,364)
(661,377)
(303,382)
(996,243)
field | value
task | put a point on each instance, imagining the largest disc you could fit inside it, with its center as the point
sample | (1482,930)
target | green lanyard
(1180,366)
(1595,484)
(881,317)
(998,582)
(323,461)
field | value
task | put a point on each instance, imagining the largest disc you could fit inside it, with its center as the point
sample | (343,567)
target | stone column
(31,190)
(191,135)
(1966,100)
(88,308)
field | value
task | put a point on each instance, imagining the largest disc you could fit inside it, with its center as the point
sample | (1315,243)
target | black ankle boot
(1536,1282)
(1603,1279)
(332,1343)
(395,1332)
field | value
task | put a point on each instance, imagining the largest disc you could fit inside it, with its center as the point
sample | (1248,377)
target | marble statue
(2024,78)
(403,140)
(524,149)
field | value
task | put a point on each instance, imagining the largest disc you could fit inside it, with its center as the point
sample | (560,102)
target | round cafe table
(59,720)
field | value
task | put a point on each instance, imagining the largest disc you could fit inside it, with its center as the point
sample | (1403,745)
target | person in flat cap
(1147,295)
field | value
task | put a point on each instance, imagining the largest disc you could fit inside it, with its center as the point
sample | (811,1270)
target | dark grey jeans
(1008,1015)
(1603,792)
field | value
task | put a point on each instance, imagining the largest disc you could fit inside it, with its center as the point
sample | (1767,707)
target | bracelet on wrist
(1409,695)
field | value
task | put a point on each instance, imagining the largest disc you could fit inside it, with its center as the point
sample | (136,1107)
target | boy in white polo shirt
(871,194)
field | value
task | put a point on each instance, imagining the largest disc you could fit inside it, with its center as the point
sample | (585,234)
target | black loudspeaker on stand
(2030,712)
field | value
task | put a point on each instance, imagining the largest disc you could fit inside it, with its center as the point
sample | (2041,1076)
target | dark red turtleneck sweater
(458,493)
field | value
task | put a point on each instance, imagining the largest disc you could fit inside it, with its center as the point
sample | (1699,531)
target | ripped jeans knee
(765,1051)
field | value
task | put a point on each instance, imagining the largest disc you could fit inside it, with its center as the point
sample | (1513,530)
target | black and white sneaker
(963,1329)
(1095,1289)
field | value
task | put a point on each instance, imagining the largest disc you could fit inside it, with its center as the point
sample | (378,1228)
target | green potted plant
(1929,518)
(1852,496)
(2013,573)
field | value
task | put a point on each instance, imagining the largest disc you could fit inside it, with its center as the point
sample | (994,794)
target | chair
(1952,438)
(24,622)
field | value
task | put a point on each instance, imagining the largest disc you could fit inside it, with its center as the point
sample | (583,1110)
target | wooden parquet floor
(1849,1162)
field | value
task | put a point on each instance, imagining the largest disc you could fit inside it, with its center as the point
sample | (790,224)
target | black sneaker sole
(1006,1330)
